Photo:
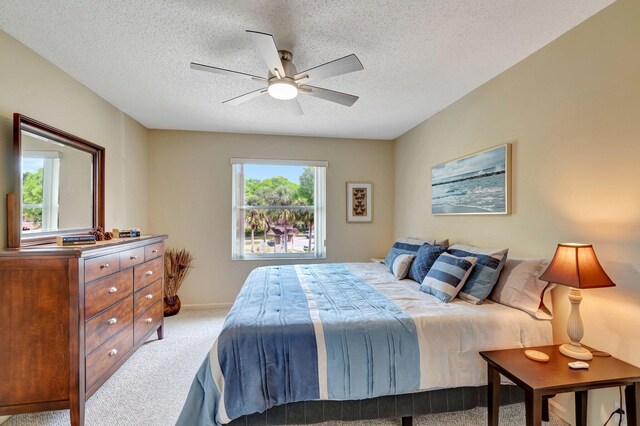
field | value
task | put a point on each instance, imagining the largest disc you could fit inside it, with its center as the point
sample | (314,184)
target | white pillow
(401,265)
(520,288)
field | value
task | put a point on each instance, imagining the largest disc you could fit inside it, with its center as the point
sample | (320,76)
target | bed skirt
(405,405)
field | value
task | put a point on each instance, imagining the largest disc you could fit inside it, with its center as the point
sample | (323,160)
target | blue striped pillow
(402,246)
(447,276)
(485,274)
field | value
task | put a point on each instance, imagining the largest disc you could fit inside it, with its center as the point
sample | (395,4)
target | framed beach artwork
(359,202)
(479,183)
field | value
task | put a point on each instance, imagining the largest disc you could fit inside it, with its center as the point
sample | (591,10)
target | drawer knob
(112,321)
(133,257)
(149,273)
(106,265)
(113,289)
(113,352)
(149,296)
(148,320)
(154,251)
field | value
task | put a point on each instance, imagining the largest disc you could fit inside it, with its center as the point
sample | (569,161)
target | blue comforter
(300,333)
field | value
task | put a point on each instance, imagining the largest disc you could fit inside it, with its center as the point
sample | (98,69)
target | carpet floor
(150,388)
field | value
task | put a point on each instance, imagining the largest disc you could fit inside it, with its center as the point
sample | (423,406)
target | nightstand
(544,379)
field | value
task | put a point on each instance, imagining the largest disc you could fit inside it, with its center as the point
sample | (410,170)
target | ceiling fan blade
(246,97)
(329,95)
(267,48)
(216,70)
(293,106)
(340,66)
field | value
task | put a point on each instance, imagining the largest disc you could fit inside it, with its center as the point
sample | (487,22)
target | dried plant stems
(177,265)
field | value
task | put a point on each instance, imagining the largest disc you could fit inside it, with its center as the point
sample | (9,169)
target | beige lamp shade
(576,265)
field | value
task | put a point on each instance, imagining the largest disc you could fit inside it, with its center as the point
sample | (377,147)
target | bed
(329,335)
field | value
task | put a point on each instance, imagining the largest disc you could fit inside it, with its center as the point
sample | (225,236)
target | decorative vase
(171,305)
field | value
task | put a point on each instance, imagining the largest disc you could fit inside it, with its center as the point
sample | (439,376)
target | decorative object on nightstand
(576,266)
(536,355)
(177,265)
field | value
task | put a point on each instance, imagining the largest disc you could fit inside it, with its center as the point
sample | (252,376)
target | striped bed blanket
(339,332)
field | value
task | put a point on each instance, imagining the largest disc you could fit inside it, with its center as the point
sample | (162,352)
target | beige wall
(31,85)
(190,199)
(572,112)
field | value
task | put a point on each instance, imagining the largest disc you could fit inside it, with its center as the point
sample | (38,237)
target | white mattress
(451,335)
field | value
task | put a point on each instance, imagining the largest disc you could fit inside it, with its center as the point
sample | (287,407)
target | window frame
(238,209)
(50,190)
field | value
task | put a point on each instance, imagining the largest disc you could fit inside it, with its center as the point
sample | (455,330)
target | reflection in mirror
(56,186)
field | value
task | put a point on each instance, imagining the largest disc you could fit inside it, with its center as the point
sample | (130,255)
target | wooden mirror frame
(21,122)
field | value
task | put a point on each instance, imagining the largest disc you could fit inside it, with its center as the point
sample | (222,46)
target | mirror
(59,184)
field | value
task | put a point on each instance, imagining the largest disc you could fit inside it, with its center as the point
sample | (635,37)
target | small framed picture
(359,202)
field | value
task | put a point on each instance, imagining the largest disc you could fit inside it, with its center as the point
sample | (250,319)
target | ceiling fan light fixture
(283,89)
(283,81)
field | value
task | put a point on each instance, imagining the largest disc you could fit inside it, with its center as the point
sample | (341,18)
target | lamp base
(576,352)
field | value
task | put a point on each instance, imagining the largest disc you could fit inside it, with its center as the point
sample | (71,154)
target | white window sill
(282,257)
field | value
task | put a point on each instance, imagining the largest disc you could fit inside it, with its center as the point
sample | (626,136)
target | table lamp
(576,266)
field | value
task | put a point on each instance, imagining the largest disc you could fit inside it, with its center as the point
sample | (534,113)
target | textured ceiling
(418,56)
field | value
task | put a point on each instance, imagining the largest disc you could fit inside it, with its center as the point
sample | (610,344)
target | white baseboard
(208,306)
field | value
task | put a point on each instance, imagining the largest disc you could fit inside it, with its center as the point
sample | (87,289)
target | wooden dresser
(70,317)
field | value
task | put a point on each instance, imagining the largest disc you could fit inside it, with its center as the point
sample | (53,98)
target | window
(278,209)
(40,190)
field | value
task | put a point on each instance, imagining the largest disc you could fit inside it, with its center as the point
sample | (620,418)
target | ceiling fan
(283,81)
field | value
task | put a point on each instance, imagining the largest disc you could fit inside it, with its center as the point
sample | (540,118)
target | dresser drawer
(148,321)
(153,250)
(100,328)
(146,297)
(101,294)
(148,272)
(101,267)
(108,355)
(131,257)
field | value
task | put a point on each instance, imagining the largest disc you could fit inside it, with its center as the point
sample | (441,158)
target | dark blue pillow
(401,247)
(425,258)
(485,273)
